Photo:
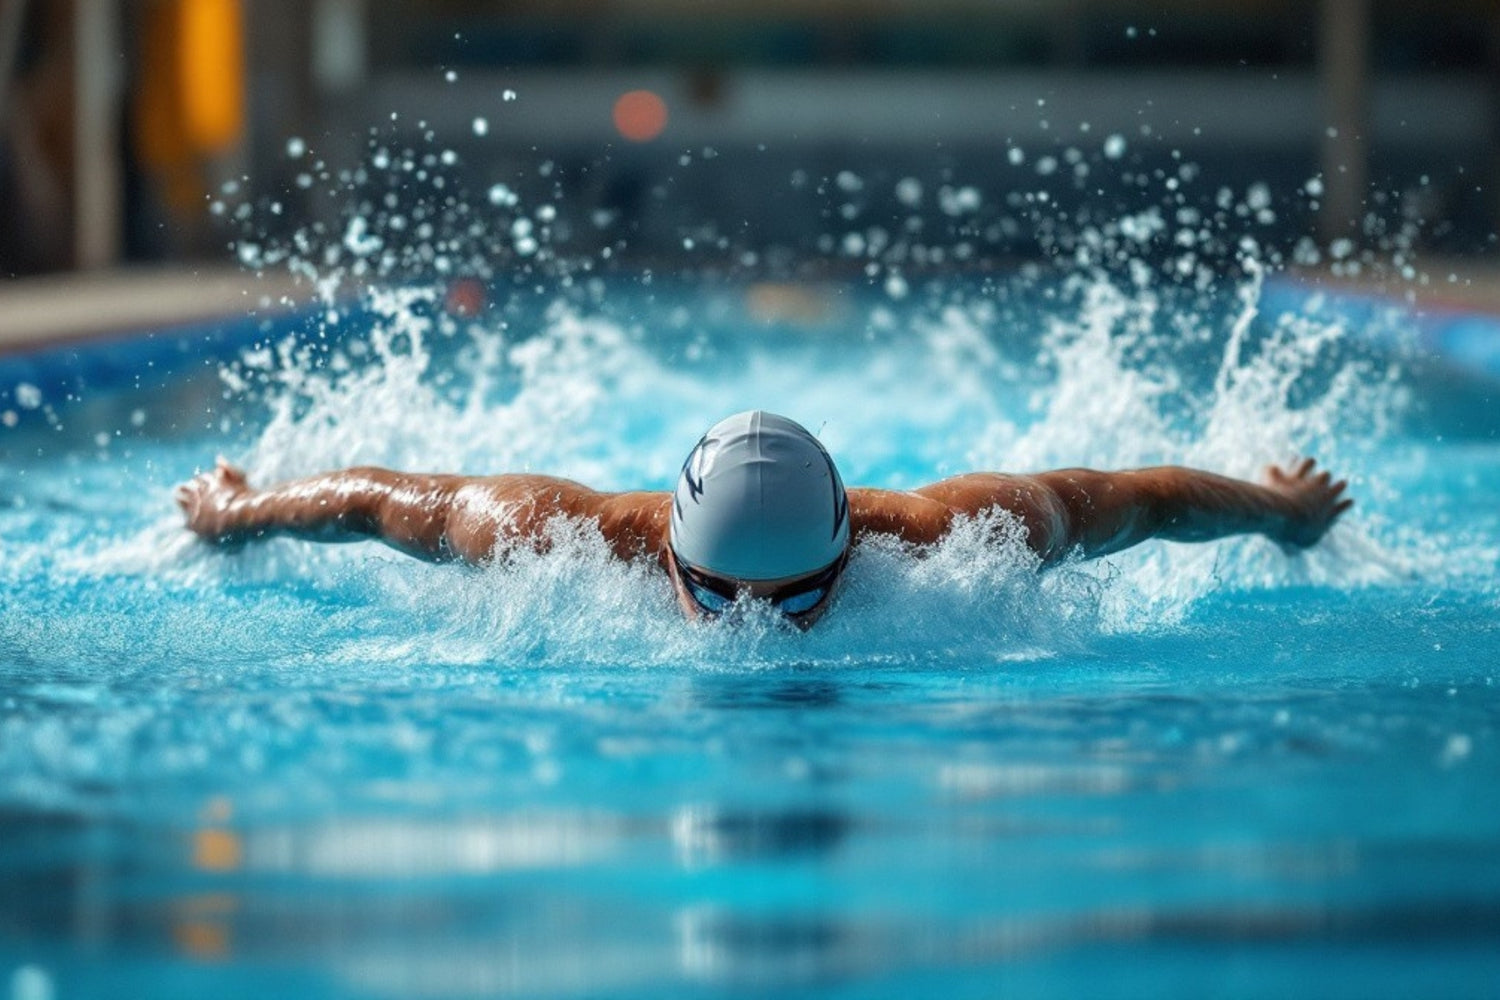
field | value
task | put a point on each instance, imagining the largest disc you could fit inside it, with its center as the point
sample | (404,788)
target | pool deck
(1459,285)
(81,306)
(62,308)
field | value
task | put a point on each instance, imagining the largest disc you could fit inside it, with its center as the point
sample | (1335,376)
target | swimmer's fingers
(1316,500)
(1277,474)
(189,495)
(207,498)
(229,473)
(1303,472)
(1332,508)
(1337,506)
(1280,476)
(222,475)
(1329,492)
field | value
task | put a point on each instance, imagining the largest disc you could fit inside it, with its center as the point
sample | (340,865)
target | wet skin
(471,519)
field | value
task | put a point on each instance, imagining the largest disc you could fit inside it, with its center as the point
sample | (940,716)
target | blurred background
(659,122)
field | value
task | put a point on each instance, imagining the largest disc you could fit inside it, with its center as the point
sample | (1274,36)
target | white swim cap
(759,499)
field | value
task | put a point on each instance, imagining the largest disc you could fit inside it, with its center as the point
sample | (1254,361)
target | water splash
(580,395)
(1140,349)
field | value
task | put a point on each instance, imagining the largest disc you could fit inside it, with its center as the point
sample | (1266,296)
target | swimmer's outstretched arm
(1107,512)
(436,517)
(1095,513)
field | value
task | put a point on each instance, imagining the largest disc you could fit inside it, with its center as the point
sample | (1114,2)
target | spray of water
(1146,348)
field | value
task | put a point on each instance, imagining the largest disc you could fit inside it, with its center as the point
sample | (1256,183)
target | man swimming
(760,511)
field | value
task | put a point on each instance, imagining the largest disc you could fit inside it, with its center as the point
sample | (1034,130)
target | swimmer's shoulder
(547,495)
(491,511)
(925,514)
(635,524)
(909,516)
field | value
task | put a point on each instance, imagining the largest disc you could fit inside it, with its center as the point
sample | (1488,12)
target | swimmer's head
(759,510)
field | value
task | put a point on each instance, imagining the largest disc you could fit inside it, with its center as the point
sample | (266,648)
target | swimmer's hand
(1313,499)
(209,501)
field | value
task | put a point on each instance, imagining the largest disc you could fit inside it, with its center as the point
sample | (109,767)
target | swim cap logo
(840,498)
(696,468)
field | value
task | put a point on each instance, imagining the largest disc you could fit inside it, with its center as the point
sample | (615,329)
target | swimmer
(760,511)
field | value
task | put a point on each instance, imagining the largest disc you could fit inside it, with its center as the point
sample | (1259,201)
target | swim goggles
(714,594)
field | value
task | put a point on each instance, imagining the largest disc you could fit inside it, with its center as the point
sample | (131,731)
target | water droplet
(1458,747)
(295,147)
(957,201)
(481,126)
(508,95)
(28,396)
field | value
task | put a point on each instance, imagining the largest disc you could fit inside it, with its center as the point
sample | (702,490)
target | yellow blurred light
(190,99)
(204,941)
(212,67)
(216,851)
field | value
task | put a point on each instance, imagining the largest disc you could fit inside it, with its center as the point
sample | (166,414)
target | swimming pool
(338,772)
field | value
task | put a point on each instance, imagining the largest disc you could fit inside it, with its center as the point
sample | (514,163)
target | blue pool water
(1182,771)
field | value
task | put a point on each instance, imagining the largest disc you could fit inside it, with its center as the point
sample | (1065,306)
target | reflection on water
(397,849)
(485,907)
(706,836)
(936,846)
